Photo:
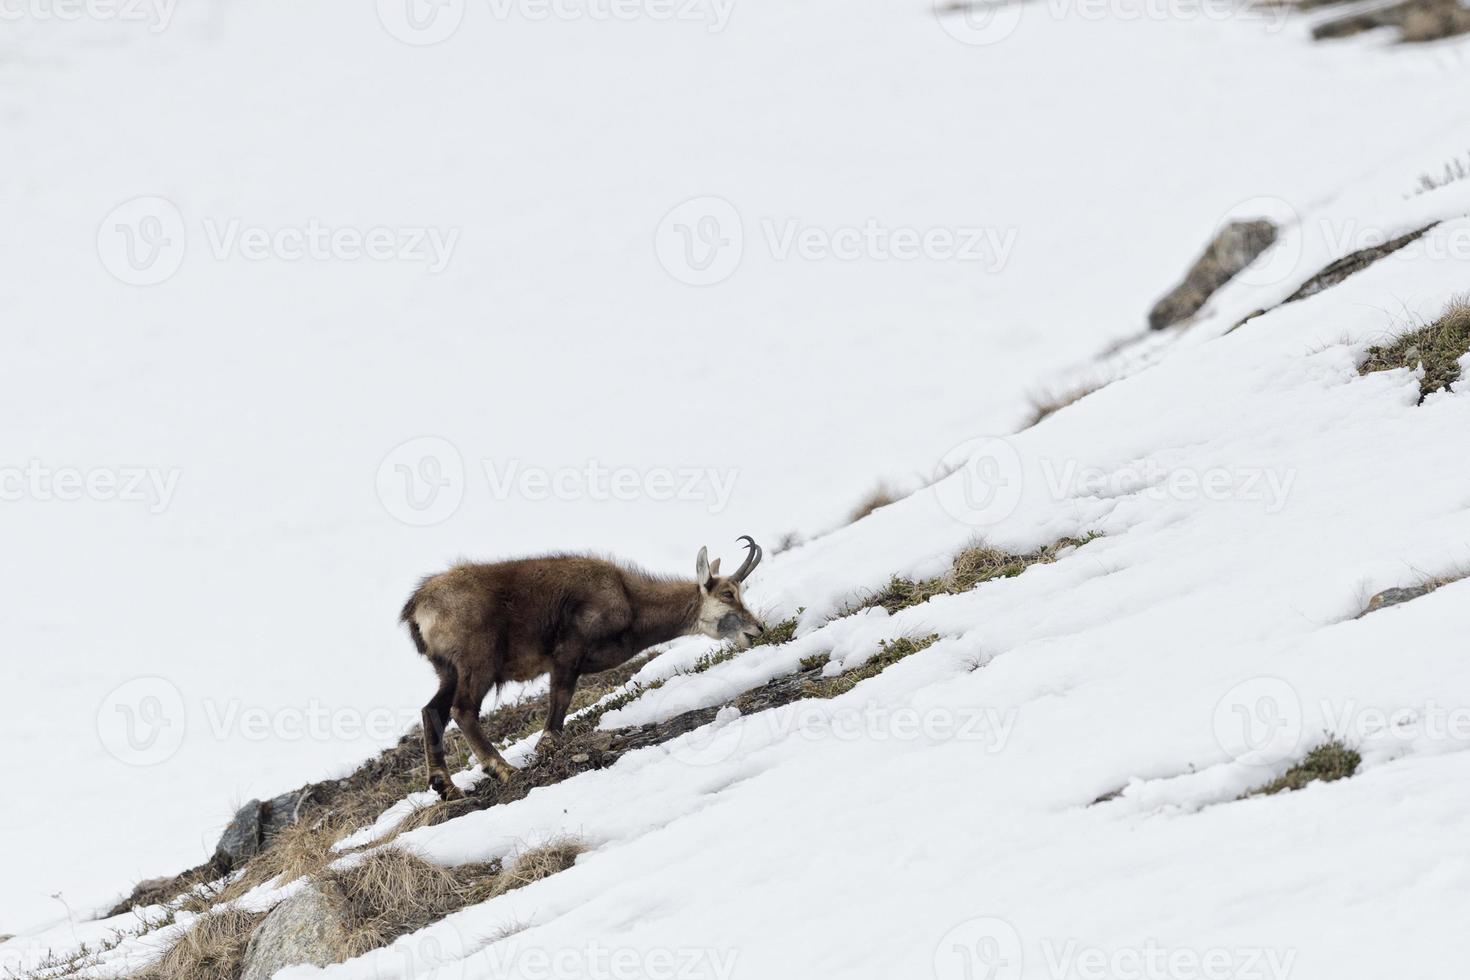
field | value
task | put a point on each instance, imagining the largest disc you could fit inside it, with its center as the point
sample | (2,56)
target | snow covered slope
(1251,490)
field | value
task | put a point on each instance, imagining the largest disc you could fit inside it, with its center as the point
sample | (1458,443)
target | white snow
(1250,489)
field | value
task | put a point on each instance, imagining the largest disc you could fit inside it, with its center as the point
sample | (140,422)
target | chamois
(481,625)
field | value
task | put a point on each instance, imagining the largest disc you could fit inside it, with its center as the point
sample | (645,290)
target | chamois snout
(722,612)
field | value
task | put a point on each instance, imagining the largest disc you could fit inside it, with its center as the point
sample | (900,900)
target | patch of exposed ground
(1437,347)
(1454,169)
(1399,596)
(1337,270)
(369,897)
(1044,406)
(1326,763)
(1416,21)
(889,653)
(970,568)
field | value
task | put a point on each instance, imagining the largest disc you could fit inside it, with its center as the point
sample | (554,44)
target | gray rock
(255,824)
(302,929)
(242,838)
(1235,247)
(1393,597)
(1337,270)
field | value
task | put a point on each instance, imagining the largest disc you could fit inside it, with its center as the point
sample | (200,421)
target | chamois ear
(701,569)
(714,568)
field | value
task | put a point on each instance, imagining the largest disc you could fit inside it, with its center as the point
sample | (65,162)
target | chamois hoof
(502,772)
(441,784)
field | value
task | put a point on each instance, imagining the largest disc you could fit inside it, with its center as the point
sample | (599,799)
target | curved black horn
(752,558)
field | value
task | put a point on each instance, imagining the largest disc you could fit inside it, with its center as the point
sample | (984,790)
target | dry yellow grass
(389,893)
(213,948)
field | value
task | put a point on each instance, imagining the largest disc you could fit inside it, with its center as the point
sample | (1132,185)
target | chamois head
(722,612)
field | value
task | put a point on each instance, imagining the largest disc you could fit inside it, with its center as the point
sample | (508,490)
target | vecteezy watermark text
(990,948)
(143,242)
(34,480)
(702,241)
(425,22)
(982,481)
(155,14)
(597,962)
(423,481)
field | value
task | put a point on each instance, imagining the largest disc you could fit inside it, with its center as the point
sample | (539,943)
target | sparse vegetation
(384,894)
(214,946)
(387,892)
(1045,405)
(880,496)
(1438,346)
(815,662)
(970,568)
(1329,761)
(390,892)
(1401,595)
(1455,169)
(539,862)
(889,653)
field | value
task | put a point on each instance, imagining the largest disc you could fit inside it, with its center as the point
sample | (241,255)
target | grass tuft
(390,893)
(889,653)
(970,568)
(214,947)
(1326,763)
(1455,169)
(1046,404)
(879,496)
(539,862)
(1438,346)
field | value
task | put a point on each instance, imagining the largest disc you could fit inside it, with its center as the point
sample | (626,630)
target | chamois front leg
(563,685)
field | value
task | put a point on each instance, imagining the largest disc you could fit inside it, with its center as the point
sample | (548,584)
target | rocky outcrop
(1235,247)
(255,824)
(1337,270)
(1394,597)
(304,928)
(1416,21)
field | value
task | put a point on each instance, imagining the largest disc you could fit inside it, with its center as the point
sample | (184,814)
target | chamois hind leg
(436,716)
(465,710)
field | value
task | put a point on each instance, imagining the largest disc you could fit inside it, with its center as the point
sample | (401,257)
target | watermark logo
(982,481)
(143,721)
(1281,260)
(990,948)
(978,22)
(425,22)
(711,744)
(983,948)
(142,242)
(701,241)
(421,22)
(1259,721)
(421,482)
